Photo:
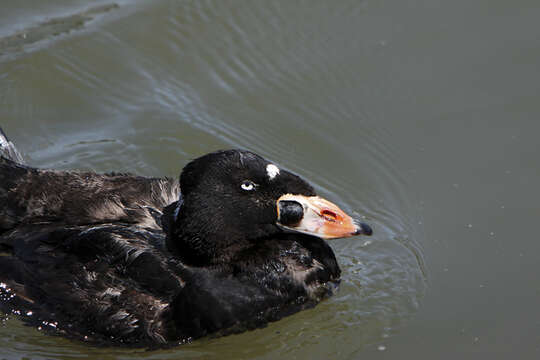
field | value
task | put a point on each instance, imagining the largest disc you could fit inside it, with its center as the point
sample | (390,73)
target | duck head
(232,198)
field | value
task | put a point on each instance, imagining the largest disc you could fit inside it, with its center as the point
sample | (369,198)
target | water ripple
(277,78)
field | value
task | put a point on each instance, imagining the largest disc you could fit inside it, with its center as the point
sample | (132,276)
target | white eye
(247,185)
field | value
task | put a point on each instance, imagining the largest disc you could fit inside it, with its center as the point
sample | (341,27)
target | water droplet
(469,226)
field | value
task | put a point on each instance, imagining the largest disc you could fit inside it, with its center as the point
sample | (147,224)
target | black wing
(29,195)
(103,283)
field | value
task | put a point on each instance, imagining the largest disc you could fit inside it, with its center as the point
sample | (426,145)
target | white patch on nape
(272,171)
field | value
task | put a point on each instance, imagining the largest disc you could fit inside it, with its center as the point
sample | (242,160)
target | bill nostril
(329,215)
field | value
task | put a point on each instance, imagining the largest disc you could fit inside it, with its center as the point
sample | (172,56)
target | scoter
(119,259)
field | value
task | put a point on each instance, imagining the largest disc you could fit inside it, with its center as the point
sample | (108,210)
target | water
(420,116)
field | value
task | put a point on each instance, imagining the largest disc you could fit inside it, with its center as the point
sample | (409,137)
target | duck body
(123,259)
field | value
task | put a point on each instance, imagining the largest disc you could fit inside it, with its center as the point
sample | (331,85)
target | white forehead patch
(272,171)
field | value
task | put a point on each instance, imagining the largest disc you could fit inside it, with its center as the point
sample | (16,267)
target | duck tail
(8,150)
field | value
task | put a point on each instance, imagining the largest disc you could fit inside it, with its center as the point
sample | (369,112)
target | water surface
(419,116)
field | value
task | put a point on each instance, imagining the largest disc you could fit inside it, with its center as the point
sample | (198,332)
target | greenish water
(421,116)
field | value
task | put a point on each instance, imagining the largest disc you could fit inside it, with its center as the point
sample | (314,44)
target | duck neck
(200,243)
(197,247)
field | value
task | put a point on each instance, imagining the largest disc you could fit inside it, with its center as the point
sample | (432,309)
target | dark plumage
(122,259)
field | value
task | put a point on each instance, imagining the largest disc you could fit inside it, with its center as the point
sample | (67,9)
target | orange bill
(316,216)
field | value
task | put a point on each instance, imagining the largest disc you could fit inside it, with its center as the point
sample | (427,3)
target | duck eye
(247,185)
